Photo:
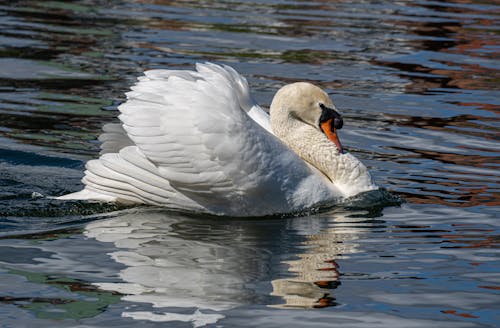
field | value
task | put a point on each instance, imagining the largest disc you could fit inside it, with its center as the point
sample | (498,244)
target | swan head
(304,103)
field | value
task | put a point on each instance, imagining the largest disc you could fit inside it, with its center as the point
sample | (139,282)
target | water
(417,83)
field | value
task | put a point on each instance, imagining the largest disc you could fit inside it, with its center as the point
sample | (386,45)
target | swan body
(196,141)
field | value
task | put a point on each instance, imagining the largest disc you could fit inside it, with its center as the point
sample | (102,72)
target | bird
(197,141)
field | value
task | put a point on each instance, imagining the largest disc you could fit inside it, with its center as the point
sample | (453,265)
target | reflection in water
(316,273)
(167,267)
(210,266)
(439,52)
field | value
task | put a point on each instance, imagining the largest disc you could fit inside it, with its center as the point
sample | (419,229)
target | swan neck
(344,170)
(306,141)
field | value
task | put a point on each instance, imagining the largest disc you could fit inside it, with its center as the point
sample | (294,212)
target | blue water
(417,84)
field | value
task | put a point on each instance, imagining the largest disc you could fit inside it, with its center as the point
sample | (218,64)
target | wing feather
(113,138)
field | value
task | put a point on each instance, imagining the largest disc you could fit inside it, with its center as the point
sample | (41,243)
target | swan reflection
(206,266)
(316,272)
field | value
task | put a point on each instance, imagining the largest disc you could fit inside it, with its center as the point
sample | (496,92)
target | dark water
(417,82)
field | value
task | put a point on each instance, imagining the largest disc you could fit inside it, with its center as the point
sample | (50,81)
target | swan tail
(87,194)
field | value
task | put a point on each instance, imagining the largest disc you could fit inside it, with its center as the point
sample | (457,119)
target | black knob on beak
(330,114)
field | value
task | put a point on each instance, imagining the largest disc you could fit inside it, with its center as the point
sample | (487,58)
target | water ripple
(417,83)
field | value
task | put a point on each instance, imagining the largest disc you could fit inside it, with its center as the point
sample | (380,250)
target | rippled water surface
(417,83)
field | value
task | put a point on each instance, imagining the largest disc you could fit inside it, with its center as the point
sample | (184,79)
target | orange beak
(331,133)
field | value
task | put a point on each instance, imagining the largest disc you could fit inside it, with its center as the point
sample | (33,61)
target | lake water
(418,85)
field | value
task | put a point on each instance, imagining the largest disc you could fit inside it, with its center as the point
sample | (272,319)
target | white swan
(196,140)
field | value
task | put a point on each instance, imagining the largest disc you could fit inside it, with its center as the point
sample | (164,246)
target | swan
(197,141)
